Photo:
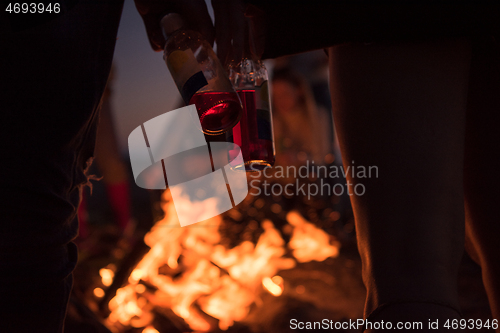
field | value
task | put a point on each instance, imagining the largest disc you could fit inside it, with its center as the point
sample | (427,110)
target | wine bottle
(200,77)
(254,132)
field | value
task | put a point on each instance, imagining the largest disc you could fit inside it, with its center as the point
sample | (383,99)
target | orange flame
(223,283)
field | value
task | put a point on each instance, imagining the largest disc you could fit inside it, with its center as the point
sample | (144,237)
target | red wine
(253,134)
(218,111)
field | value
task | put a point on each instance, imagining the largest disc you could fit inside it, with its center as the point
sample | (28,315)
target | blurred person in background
(300,127)
(313,67)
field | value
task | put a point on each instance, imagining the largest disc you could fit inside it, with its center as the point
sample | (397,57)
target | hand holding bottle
(200,77)
(194,12)
(229,23)
(229,29)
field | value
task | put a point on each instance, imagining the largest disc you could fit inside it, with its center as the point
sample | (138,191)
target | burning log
(193,278)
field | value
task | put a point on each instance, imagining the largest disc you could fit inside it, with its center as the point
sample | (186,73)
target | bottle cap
(170,23)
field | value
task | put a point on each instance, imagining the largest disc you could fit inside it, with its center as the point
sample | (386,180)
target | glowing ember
(272,287)
(98,292)
(150,329)
(300,289)
(136,275)
(140,288)
(106,276)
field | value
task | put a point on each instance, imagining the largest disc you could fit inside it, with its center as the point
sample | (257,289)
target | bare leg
(482,166)
(401,108)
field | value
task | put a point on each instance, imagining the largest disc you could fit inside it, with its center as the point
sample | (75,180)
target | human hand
(193,12)
(229,29)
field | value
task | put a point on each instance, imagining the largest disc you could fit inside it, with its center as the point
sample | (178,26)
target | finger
(222,29)
(151,12)
(195,13)
(257,29)
(237,21)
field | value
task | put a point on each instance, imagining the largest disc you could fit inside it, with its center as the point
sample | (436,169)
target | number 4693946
(471,324)
(33,7)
